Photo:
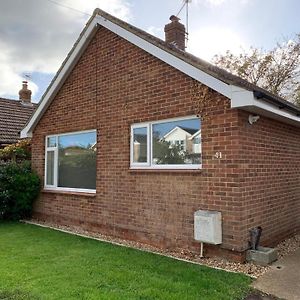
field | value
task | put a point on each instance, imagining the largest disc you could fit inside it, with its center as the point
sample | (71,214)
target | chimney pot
(174,18)
(175,33)
(25,93)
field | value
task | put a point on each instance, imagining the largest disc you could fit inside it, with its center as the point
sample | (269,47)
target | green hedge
(19,187)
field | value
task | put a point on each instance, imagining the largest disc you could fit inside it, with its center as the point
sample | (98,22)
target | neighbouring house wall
(270,177)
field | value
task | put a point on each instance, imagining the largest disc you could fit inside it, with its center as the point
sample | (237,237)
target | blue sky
(35,36)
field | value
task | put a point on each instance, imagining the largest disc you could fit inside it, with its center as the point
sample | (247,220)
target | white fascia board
(195,134)
(168,58)
(237,95)
(171,131)
(244,99)
(177,63)
(60,79)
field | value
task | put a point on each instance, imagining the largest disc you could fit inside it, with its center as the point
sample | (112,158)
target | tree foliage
(17,152)
(276,70)
(165,153)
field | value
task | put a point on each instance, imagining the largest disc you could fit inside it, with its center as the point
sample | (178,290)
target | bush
(17,152)
(19,187)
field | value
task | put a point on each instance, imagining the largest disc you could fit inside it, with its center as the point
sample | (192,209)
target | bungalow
(14,114)
(123,90)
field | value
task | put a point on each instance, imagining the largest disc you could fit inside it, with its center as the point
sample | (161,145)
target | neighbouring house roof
(13,117)
(195,134)
(189,131)
(243,95)
(140,138)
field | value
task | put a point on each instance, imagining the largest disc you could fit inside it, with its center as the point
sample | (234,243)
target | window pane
(77,160)
(50,168)
(51,141)
(174,142)
(140,145)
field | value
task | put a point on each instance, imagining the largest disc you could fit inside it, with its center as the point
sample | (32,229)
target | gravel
(285,247)
(288,246)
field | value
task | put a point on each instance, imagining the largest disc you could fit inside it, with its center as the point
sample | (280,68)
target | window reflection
(77,160)
(176,142)
(140,145)
(50,168)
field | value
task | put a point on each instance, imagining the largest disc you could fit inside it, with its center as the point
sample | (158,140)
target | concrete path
(283,280)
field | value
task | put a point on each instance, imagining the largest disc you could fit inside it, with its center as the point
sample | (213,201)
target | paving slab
(283,279)
(259,297)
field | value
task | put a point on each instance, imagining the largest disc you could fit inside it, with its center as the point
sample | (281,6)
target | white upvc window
(165,144)
(140,141)
(70,161)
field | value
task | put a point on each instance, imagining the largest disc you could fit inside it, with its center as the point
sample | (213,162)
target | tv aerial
(186,6)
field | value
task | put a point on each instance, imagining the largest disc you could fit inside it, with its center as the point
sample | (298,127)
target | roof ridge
(16,101)
(203,65)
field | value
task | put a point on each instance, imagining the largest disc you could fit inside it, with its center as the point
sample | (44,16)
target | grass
(40,263)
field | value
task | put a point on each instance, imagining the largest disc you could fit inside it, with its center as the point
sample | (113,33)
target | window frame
(55,175)
(139,164)
(149,165)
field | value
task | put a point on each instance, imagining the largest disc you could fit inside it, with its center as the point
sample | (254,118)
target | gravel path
(287,246)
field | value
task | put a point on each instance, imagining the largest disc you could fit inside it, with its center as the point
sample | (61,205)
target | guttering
(265,105)
(280,103)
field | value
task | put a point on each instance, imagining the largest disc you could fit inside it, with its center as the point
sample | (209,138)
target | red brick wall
(270,177)
(116,84)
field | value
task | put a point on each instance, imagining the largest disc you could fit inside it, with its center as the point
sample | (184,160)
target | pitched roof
(195,134)
(199,63)
(189,130)
(243,95)
(13,117)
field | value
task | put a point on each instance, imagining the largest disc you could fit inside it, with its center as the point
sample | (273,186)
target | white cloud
(209,41)
(36,36)
(211,2)
(156,31)
(219,2)
(216,2)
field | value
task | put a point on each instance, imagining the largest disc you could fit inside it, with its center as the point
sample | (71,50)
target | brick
(116,84)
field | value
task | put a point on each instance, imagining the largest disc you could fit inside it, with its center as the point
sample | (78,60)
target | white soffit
(243,99)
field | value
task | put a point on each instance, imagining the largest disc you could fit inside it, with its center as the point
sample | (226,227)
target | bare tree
(277,70)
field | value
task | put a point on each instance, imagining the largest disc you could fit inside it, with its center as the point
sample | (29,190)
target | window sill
(163,170)
(57,191)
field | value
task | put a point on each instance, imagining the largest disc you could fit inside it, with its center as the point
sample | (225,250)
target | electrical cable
(69,7)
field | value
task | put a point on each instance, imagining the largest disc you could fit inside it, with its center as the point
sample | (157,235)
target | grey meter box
(208,227)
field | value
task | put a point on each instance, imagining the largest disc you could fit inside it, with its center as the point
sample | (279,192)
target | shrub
(17,152)
(19,187)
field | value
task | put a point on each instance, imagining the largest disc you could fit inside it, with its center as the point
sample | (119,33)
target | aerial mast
(186,6)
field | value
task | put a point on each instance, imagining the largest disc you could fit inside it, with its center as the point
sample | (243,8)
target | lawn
(40,263)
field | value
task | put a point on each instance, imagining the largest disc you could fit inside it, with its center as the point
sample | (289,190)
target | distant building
(14,115)
(195,141)
(184,138)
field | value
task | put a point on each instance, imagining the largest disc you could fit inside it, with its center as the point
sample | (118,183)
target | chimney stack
(25,93)
(175,33)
